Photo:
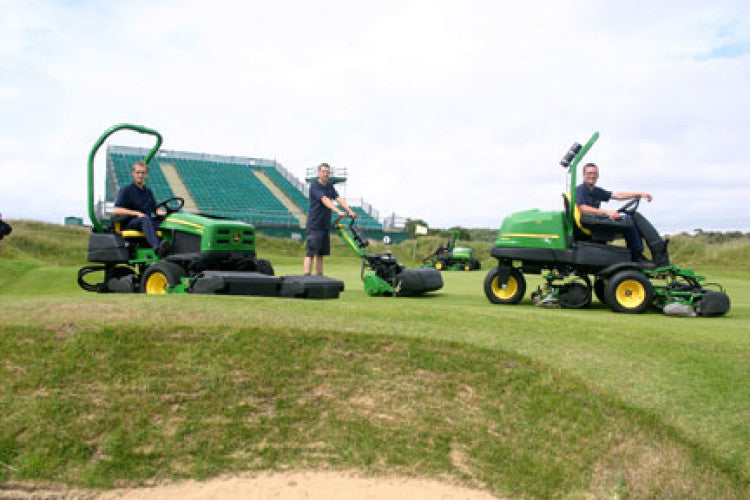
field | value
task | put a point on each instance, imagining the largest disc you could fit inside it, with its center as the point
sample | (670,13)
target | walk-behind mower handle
(123,126)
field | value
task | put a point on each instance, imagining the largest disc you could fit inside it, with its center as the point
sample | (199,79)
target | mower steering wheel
(171,205)
(630,207)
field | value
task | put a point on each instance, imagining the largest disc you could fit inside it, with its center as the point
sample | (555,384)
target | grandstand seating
(297,196)
(123,165)
(222,188)
(231,190)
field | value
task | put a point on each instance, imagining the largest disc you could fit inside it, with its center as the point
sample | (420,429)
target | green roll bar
(123,126)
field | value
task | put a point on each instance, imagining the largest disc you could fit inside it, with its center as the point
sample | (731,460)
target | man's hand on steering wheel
(170,205)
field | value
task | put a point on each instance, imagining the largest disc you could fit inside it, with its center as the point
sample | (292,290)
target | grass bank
(112,389)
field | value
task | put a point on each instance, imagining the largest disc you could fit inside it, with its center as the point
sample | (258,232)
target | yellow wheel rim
(630,294)
(508,291)
(157,284)
(467,267)
(438,265)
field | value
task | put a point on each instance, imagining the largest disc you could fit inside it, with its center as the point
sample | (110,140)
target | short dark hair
(589,165)
(324,165)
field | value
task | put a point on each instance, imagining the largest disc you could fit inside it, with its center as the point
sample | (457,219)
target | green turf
(111,389)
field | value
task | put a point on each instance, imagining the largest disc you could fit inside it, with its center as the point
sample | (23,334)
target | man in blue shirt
(137,202)
(589,198)
(322,196)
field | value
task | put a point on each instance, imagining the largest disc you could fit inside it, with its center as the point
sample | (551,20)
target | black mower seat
(595,228)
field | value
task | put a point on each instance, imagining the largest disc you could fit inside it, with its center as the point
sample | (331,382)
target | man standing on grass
(322,196)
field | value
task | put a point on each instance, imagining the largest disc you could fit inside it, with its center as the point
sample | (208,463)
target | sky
(456,113)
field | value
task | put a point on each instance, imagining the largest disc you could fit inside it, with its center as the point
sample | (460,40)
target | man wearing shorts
(322,196)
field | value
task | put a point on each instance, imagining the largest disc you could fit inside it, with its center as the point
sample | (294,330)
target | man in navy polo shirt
(137,202)
(589,198)
(322,195)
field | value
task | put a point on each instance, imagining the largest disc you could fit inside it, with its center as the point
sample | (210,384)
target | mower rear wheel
(511,293)
(160,276)
(629,292)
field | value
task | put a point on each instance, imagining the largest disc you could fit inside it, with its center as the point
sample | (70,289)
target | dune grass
(99,390)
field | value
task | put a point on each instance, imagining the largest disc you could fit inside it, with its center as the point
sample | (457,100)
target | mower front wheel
(511,293)
(160,276)
(629,292)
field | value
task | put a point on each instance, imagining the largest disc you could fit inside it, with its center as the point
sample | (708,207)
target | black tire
(476,265)
(512,293)
(600,284)
(265,267)
(159,276)
(629,292)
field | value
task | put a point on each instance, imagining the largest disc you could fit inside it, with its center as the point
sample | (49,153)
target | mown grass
(109,389)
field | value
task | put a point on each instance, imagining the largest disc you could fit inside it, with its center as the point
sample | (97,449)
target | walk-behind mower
(568,249)
(208,254)
(449,257)
(381,274)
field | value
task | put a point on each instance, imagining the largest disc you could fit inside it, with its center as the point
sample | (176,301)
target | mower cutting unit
(453,258)
(381,274)
(570,248)
(207,254)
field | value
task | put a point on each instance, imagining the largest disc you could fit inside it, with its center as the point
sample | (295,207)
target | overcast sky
(453,112)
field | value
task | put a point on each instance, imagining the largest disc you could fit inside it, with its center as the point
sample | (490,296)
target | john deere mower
(381,274)
(450,257)
(571,250)
(208,255)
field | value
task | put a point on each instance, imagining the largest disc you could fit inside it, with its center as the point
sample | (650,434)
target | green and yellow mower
(381,274)
(573,254)
(208,255)
(450,257)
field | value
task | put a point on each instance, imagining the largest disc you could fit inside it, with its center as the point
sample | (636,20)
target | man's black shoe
(164,248)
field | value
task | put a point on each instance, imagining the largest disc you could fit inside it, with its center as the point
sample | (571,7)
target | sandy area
(288,485)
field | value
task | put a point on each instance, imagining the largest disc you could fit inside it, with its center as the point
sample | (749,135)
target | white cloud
(457,113)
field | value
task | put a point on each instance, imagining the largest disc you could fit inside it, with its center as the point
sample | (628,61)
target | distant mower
(570,249)
(450,257)
(381,274)
(208,255)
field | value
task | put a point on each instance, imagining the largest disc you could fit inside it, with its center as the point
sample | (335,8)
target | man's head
(590,174)
(140,173)
(324,172)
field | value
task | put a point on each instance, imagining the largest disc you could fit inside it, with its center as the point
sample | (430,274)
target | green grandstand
(259,191)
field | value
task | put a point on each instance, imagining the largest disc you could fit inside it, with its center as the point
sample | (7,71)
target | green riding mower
(572,253)
(381,274)
(450,257)
(208,255)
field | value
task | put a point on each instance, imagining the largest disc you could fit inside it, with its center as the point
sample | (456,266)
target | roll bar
(123,126)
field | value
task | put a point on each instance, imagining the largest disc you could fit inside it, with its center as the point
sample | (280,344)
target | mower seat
(132,234)
(128,233)
(595,228)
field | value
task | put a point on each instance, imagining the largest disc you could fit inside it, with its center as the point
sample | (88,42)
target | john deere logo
(236,237)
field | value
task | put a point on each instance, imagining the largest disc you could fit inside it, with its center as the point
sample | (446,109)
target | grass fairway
(102,390)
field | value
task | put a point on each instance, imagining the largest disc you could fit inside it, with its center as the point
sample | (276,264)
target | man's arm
(325,200)
(341,202)
(127,212)
(627,195)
